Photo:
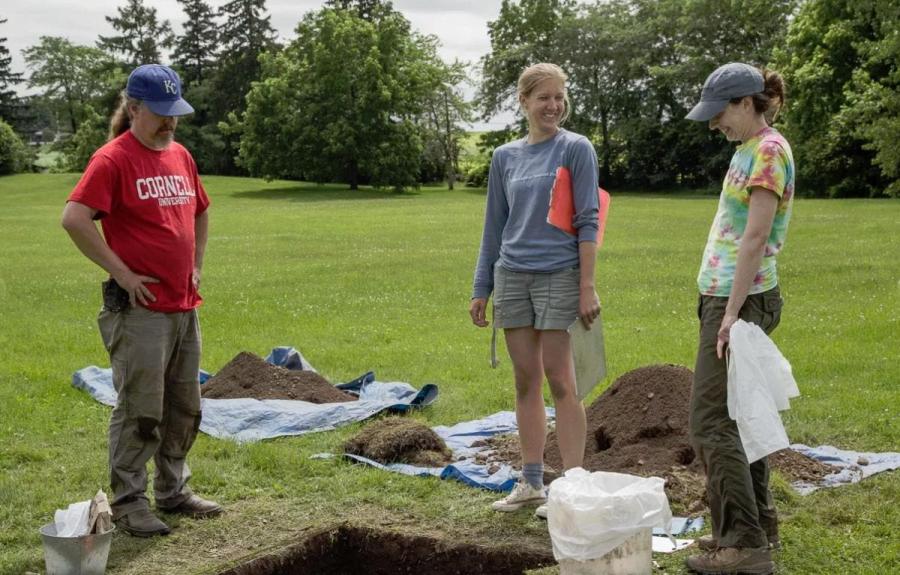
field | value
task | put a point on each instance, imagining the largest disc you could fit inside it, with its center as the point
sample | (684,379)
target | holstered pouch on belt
(115,298)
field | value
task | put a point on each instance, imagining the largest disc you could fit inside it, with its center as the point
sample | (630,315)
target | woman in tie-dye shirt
(738,279)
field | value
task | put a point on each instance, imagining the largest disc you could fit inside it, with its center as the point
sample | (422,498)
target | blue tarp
(460,437)
(253,419)
(853,465)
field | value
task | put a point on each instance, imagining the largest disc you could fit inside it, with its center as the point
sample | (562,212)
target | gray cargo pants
(155,361)
(740,503)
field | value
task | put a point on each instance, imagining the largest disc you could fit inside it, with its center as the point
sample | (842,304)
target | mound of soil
(797,467)
(399,440)
(499,450)
(639,425)
(248,375)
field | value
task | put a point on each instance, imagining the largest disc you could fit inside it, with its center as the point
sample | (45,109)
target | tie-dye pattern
(764,161)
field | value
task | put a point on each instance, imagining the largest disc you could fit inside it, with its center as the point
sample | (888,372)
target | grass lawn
(375,281)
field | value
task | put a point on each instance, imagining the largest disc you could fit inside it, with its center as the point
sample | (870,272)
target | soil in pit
(248,375)
(362,551)
(400,440)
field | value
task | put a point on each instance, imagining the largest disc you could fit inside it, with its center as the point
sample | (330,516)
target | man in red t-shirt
(144,189)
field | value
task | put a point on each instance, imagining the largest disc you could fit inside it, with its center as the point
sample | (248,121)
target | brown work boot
(195,507)
(142,523)
(709,543)
(732,561)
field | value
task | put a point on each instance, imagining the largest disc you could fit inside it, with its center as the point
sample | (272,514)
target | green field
(377,281)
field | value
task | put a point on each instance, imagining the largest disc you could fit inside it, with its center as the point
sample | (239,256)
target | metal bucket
(85,555)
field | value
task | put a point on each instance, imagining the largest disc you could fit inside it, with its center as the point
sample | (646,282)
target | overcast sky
(461,25)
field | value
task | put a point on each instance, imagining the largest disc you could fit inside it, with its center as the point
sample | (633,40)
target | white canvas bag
(760,384)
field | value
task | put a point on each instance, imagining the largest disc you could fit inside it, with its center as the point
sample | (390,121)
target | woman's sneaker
(522,495)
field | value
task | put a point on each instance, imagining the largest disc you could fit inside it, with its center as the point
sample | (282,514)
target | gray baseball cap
(734,80)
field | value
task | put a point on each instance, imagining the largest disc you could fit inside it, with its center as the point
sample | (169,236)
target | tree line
(361,97)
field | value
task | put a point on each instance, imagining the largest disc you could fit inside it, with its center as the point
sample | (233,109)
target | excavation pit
(347,549)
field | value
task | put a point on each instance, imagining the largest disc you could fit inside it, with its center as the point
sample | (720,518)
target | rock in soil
(248,375)
(400,440)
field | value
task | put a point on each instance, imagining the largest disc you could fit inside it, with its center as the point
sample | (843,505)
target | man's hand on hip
(134,285)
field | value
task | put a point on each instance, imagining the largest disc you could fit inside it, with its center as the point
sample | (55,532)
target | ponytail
(771,100)
(121,118)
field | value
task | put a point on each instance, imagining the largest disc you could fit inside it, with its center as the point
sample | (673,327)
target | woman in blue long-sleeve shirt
(541,277)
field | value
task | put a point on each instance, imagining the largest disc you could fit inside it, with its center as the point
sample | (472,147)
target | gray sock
(534,474)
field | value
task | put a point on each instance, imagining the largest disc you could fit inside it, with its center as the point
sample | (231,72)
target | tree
(8,81)
(445,110)
(71,76)
(339,103)
(524,33)
(370,10)
(196,49)
(91,134)
(635,67)
(14,155)
(682,43)
(141,35)
(604,81)
(246,32)
(841,64)
(244,35)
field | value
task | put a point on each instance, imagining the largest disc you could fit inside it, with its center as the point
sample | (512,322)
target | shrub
(14,154)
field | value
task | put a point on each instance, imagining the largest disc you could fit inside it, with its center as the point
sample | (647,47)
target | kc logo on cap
(159,87)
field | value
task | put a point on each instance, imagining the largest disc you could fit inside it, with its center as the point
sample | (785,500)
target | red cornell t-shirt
(147,201)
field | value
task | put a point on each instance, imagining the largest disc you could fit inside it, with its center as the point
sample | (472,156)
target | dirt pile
(248,375)
(499,450)
(797,467)
(400,440)
(638,425)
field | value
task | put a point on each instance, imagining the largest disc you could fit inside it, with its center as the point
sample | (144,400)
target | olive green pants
(155,362)
(740,503)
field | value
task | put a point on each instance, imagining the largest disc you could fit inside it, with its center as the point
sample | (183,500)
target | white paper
(73,521)
(589,355)
(664,544)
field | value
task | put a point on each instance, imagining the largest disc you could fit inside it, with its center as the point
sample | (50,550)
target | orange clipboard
(562,205)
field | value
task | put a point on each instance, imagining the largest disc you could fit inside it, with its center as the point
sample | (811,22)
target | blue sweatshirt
(516,232)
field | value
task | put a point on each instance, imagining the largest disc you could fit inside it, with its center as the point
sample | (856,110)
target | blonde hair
(537,73)
(121,118)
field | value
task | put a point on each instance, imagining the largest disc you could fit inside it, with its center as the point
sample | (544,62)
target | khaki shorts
(540,300)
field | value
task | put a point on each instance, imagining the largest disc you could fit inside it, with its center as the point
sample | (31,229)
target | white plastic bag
(74,520)
(760,384)
(590,514)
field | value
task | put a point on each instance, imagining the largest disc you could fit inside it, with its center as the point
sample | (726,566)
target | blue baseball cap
(734,80)
(159,87)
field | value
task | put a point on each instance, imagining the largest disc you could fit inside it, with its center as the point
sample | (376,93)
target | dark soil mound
(399,440)
(638,425)
(248,375)
(797,467)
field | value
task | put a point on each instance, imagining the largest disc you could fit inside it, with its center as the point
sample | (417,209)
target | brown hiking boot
(732,561)
(142,523)
(709,543)
(195,507)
